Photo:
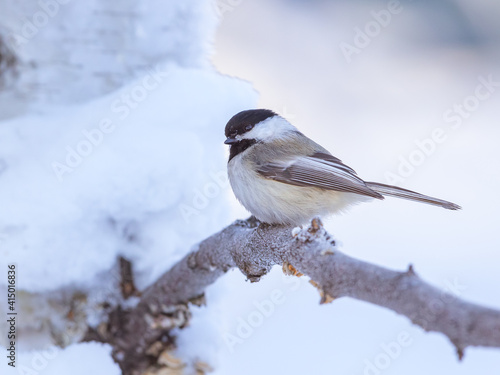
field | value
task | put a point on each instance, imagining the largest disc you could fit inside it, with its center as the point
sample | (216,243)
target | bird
(283,177)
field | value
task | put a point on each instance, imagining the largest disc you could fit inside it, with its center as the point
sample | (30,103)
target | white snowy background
(132,196)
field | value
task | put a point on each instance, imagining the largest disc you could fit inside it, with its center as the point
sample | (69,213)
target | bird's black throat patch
(237,148)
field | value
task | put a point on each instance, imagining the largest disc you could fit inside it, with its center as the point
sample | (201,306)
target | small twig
(127,285)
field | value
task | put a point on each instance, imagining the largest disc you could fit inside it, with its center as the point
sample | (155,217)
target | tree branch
(254,248)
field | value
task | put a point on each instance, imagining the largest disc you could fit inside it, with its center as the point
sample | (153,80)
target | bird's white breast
(280,203)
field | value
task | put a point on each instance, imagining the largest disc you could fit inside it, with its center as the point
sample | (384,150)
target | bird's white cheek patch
(272,128)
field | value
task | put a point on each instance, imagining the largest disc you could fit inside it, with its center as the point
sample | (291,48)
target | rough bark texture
(254,248)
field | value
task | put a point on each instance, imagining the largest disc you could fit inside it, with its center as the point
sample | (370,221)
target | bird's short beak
(230,141)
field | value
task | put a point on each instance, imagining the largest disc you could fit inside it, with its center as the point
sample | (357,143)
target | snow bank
(140,178)
(138,173)
(78,359)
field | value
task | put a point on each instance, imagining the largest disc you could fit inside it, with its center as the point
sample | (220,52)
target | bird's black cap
(246,120)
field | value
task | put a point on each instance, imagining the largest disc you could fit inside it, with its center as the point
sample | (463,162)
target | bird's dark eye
(248,127)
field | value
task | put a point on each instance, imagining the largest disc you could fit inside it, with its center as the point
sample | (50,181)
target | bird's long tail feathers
(397,192)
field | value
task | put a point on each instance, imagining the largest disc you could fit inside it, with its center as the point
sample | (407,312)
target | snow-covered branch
(254,248)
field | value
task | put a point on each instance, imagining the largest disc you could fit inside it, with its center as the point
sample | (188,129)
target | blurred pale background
(370,112)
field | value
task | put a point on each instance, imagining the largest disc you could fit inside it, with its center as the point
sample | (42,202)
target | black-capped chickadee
(283,177)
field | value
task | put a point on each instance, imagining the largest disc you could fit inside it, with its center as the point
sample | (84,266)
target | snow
(78,359)
(128,191)
(105,42)
(75,197)
(147,189)
(140,172)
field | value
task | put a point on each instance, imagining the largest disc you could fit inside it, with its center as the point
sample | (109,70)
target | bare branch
(254,248)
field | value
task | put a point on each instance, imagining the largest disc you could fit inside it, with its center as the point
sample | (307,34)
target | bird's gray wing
(320,170)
